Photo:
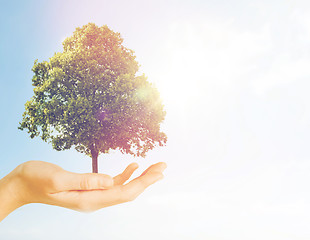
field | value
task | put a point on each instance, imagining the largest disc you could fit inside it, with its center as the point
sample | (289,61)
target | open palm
(43,182)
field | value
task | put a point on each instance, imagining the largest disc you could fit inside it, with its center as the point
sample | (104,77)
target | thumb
(86,181)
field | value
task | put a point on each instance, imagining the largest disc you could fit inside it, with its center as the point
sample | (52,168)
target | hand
(42,182)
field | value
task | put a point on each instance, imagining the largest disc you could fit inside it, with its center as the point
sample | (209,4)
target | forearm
(9,200)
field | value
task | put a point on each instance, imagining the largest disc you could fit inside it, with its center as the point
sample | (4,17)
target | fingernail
(108,182)
(161,177)
(111,183)
(164,166)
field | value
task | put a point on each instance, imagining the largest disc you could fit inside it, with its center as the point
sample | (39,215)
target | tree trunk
(94,157)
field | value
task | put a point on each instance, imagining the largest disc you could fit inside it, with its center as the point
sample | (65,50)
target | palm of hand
(48,183)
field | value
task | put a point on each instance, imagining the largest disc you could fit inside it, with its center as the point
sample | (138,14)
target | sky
(234,79)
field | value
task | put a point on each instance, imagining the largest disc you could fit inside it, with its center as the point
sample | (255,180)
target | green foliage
(90,97)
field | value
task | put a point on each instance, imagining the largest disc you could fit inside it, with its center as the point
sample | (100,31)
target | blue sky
(234,78)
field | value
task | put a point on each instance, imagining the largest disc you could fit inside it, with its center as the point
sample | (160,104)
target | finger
(95,199)
(86,201)
(158,167)
(135,187)
(86,181)
(98,199)
(126,174)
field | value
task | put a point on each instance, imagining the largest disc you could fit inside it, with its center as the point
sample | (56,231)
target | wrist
(10,194)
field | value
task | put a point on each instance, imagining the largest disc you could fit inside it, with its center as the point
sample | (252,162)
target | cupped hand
(43,182)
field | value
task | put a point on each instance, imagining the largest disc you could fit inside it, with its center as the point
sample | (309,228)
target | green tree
(91,97)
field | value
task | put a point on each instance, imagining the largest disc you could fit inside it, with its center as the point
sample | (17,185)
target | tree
(91,97)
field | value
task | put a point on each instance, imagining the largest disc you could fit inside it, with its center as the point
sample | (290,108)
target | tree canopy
(91,97)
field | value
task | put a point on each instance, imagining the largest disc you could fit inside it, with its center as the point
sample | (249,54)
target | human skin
(43,182)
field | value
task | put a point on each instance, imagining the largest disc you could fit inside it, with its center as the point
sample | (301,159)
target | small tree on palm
(90,97)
